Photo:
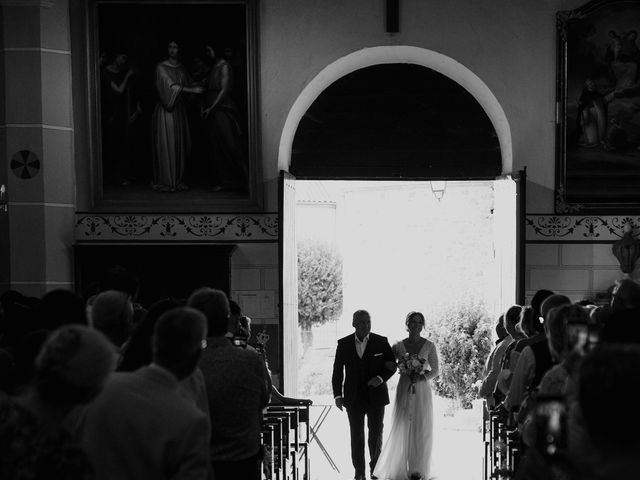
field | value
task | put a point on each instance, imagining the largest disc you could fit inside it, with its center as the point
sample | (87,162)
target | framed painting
(598,95)
(174,99)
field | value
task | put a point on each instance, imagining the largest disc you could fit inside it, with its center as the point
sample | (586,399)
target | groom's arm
(389,361)
(338,372)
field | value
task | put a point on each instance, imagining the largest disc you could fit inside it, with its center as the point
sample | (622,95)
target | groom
(368,362)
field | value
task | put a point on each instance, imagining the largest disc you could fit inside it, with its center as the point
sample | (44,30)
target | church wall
(37,127)
(510,45)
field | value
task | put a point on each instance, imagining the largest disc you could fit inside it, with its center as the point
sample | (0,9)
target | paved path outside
(457,450)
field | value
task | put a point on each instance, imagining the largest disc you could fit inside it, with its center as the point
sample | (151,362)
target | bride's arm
(432,358)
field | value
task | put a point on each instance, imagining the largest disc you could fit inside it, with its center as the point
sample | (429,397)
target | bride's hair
(412,314)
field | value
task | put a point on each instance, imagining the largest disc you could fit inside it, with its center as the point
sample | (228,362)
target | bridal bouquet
(412,365)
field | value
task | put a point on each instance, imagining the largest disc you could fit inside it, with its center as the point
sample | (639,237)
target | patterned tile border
(579,228)
(224,227)
(261,227)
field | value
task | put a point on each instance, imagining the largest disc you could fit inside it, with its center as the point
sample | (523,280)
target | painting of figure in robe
(173,95)
(599,107)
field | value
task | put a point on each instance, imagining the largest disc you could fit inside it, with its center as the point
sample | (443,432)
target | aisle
(457,451)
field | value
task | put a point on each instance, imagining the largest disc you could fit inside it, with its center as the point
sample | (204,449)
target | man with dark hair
(538,298)
(143,425)
(237,388)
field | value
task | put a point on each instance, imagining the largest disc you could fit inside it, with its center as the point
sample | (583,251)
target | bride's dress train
(408,447)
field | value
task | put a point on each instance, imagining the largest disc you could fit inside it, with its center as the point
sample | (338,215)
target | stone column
(36,146)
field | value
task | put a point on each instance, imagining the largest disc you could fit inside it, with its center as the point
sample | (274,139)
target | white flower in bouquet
(412,365)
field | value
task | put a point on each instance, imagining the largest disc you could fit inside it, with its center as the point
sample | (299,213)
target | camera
(582,336)
(240,341)
(551,425)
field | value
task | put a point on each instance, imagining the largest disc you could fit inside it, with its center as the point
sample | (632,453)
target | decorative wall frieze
(579,228)
(130,227)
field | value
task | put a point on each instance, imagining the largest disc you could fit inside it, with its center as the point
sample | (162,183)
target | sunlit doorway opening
(447,249)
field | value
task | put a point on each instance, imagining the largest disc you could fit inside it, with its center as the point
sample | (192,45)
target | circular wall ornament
(25,164)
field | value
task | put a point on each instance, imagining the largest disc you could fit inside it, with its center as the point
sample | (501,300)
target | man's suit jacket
(238,391)
(142,426)
(348,370)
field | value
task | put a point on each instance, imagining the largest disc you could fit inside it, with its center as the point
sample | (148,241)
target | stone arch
(398,54)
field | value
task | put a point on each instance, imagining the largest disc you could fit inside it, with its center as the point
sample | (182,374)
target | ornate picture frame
(598,108)
(174,108)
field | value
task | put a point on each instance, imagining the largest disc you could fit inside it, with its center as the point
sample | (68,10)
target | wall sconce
(627,250)
(438,187)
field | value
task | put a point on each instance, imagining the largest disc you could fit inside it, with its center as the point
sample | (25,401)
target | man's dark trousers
(375,416)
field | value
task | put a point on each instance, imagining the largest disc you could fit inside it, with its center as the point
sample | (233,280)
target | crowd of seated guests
(100,387)
(561,380)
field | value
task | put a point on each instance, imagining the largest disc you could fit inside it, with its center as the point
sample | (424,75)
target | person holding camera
(237,388)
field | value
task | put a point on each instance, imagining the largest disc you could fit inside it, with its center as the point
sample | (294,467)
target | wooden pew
(297,413)
(268,442)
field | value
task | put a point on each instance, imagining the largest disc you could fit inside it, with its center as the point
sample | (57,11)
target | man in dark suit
(364,362)
(237,389)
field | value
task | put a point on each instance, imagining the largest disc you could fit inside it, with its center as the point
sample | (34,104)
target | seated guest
(138,351)
(492,365)
(70,370)
(141,426)
(528,330)
(237,390)
(112,314)
(566,347)
(607,386)
(138,354)
(535,359)
(239,333)
(538,299)
(602,422)
(626,295)
(511,319)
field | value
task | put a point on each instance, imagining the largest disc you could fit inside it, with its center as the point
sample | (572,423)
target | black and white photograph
(319,240)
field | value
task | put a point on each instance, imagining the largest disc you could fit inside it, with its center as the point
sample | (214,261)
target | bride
(407,451)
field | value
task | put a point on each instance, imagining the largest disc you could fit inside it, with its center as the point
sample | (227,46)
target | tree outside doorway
(399,249)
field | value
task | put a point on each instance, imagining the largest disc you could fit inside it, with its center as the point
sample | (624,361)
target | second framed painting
(598,142)
(174,92)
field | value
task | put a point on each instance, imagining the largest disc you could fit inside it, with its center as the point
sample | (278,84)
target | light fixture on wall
(627,250)
(438,187)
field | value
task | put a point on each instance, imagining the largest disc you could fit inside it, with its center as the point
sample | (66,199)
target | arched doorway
(402,115)
(398,54)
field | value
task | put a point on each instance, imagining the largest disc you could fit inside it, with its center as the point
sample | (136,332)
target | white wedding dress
(407,450)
